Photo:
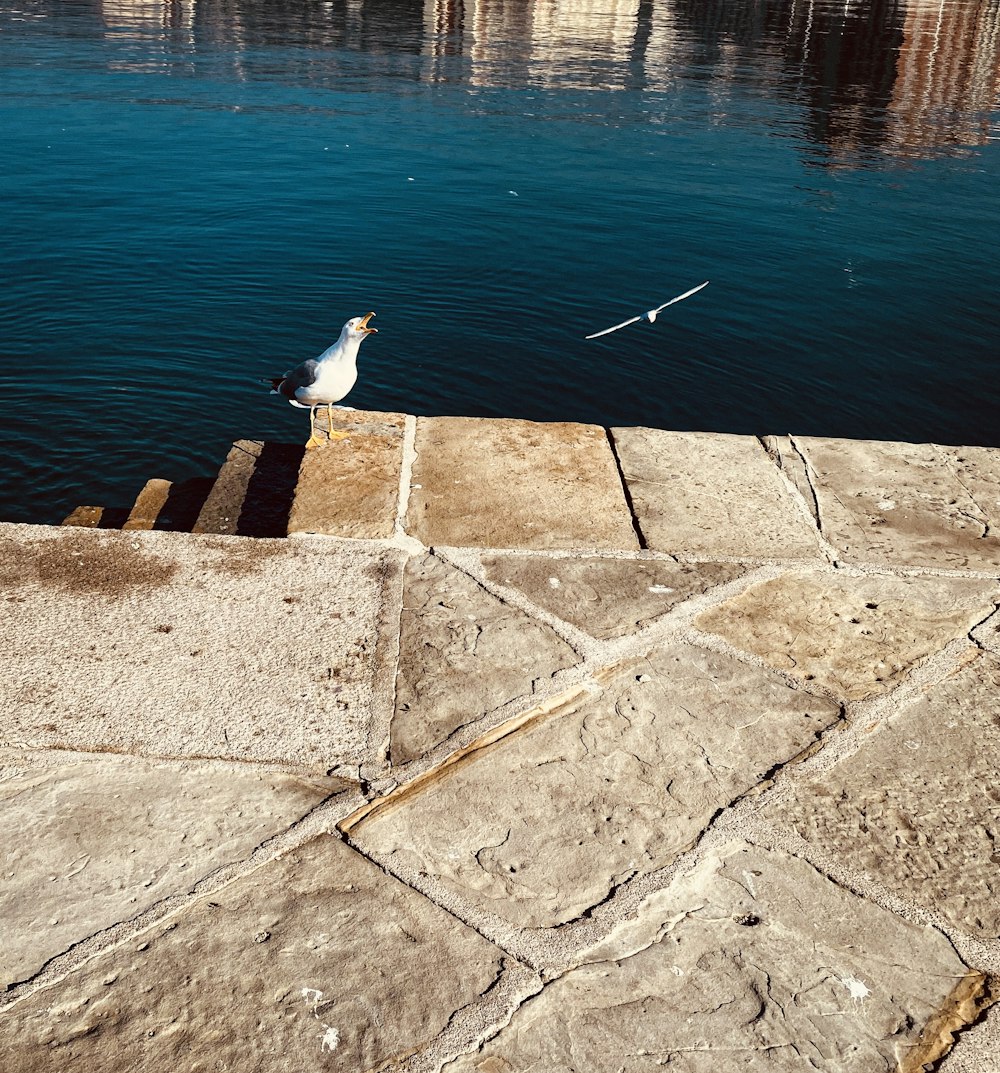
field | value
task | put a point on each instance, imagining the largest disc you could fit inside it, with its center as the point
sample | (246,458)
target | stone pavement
(531,748)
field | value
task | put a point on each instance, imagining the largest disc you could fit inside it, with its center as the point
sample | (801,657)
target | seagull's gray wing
(607,331)
(301,376)
(680,297)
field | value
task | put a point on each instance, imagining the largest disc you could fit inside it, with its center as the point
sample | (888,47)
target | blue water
(197,194)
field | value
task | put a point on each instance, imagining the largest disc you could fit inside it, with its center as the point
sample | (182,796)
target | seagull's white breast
(334,380)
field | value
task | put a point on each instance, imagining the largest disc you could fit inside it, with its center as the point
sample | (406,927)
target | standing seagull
(327,379)
(650,314)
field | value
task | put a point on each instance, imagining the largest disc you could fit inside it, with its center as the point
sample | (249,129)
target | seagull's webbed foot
(313,441)
(337,434)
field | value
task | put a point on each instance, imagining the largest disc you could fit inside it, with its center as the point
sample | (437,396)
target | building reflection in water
(872,77)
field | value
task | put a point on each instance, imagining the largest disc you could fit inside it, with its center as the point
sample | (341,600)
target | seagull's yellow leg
(329,425)
(313,440)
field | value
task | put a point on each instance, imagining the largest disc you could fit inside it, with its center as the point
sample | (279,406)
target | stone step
(221,510)
(85,517)
(350,487)
(252,495)
(148,505)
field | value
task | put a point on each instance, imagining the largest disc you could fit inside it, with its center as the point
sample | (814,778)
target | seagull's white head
(651,316)
(357,327)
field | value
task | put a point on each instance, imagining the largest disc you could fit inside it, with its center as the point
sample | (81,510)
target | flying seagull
(650,314)
(327,379)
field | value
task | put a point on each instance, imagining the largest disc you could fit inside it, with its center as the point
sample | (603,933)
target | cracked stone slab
(516,484)
(917,807)
(546,823)
(699,493)
(905,504)
(350,488)
(754,960)
(462,653)
(92,843)
(856,636)
(171,644)
(317,960)
(607,598)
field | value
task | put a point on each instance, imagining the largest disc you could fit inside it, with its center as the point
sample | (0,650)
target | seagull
(650,314)
(327,379)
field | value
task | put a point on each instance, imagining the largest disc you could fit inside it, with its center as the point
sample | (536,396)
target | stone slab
(350,487)
(856,636)
(462,654)
(220,512)
(109,838)
(904,504)
(699,493)
(917,807)
(752,961)
(516,484)
(607,598)
(544,824)
(148,505)
(85,517)
(316,961)
(170,644)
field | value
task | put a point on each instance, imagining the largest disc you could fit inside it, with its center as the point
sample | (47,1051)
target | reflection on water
(904,78)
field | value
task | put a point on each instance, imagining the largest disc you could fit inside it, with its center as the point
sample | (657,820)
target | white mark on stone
(887,504)
(331,1037)
(859,991)
(912,745)
(660,589)
(676,970)
(554,583)
(310,994)
(748,878)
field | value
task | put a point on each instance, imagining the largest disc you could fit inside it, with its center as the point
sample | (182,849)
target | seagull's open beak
(363,326)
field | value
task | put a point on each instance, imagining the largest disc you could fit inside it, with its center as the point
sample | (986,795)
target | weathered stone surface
(516,484)
(177,645)
(148,505)
(350,488)
(607,597)
(857,636)
(220,512)
(917,807)
(109,838)
(462,653)
(907,504)
(542,825)
(752,961)
(85,517)
(699,493)
(317,960)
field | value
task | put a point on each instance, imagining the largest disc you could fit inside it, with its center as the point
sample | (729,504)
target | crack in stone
(553,706)
(626,492)
(616,885)
(972,499)
(982,622)
(808,470)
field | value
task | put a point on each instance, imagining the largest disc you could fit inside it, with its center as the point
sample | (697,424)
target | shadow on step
(184,502)
(270,491)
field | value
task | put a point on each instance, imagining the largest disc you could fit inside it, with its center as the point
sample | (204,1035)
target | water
(194,194)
